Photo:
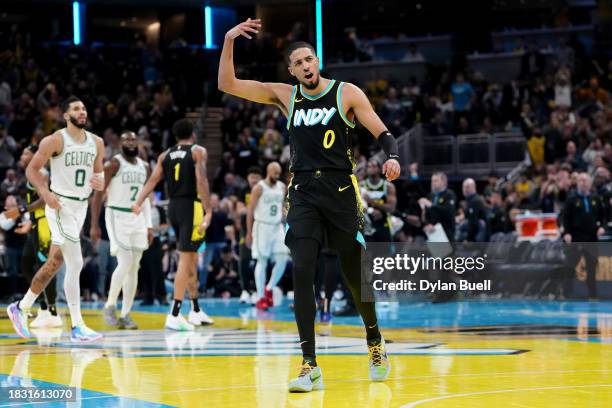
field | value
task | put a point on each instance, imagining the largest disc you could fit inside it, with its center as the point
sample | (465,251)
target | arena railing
(462,155)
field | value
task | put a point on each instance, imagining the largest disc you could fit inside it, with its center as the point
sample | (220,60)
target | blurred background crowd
(557,99)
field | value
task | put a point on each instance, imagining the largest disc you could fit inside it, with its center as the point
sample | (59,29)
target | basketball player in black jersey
(183,167)
(324,201)
(36,248)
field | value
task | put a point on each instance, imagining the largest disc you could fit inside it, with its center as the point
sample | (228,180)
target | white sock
(124,263)
(28,300)
(73,259)
(277,271)
(260,276)
(130,284)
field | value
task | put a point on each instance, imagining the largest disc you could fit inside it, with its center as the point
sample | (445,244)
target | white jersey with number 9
(269,207)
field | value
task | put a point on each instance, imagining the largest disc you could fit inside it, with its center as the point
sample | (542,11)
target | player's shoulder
(350,92)
(53,137)
(349,87)
(53,143)
(163,154)
(198,149)
(97,139)
(143,162)
(116,159)
(258,187)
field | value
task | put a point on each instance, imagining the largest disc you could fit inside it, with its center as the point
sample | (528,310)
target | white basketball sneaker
(245,297)
(178,323)
(44,318)
(199,318)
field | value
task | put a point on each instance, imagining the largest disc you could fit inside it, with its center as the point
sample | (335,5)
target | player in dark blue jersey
(183,167)
(324,200)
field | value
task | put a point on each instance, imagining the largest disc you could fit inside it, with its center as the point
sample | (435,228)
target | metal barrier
(508,150)
(438,153)
(474,153)
(462,155)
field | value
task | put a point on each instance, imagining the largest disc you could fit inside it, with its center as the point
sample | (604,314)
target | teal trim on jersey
(339,103)
(290,115)
(286,228)
(59,225)
(361,239)
(319,95)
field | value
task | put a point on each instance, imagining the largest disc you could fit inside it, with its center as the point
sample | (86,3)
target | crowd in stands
(564,112)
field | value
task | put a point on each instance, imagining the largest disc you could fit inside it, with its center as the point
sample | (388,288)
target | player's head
(303,63)
(254,175)
(183,130)
(273,172)
(74,111)
(26,155)
(129,143)
(374,169)
(439,181)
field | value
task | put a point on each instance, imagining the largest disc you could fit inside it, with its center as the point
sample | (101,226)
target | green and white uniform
(268,229)
(71,172)
(126,230)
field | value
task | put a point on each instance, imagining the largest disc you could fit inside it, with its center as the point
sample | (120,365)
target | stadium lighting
(208,28)
(319,31)
(76,23)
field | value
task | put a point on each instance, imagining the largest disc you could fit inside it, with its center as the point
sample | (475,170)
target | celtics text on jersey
(72,168)
(127,183)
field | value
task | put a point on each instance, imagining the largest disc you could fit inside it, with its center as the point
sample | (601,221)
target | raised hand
(244,28)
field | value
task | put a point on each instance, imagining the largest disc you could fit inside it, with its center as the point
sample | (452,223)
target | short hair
(442,176)
(182,129)
(67,102)
(295,46)
(255,170)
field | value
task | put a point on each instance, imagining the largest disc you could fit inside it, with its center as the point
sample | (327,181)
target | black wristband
(389,145)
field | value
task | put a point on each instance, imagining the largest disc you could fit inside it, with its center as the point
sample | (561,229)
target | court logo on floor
(220,342)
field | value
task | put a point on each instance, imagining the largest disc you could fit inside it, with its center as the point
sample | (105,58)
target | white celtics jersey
(125,186)
(269,207)
(72,169)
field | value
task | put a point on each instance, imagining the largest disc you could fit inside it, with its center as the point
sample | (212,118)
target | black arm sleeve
(389,145)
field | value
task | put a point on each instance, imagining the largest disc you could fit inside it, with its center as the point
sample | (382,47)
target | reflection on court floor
(219,342)
(460,355)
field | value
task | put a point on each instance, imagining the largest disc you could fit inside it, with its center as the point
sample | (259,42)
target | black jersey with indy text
(179,172)
(320,133)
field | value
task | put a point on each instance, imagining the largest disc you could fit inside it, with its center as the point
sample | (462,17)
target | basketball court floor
(462,354)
